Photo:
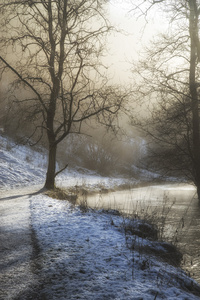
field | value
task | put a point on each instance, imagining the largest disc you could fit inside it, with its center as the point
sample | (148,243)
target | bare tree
(53,48)
(170,76)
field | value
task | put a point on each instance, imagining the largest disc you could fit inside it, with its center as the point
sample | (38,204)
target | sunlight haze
(135,32)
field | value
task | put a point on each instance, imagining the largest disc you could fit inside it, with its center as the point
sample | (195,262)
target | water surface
(175,207)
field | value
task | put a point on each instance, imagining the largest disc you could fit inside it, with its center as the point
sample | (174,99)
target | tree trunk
(193,28)
(198,190)
(50,176)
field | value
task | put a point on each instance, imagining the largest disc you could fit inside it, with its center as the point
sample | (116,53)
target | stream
(174,207)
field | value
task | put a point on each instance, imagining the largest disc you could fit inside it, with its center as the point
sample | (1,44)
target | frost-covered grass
(78,253)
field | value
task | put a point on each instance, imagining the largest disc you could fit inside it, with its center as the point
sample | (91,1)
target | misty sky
(126,48)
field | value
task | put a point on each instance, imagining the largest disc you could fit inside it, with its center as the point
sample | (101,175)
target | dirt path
(17,244)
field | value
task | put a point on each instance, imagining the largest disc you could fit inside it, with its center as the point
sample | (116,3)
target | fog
(124,46)
(136,32)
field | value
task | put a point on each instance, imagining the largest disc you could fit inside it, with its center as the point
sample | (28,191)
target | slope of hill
(22,166)
(50,249)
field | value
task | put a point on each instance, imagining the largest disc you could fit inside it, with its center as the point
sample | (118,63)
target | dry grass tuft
(62,194)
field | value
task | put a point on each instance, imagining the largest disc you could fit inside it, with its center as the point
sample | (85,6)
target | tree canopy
(53,49)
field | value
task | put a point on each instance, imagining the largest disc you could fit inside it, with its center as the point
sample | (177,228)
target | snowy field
(50,249)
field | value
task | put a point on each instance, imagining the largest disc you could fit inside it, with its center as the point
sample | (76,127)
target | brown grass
(62,194)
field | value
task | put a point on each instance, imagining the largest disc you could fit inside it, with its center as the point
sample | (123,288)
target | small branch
(61,170)
(25,81)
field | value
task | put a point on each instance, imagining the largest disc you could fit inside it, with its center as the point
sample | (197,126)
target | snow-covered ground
(50,249)
(22,166)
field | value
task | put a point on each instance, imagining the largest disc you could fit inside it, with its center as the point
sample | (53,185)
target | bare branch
(25,81)
(61,170)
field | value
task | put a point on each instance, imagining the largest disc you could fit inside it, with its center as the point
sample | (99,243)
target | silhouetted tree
(53,48)
(170,77)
